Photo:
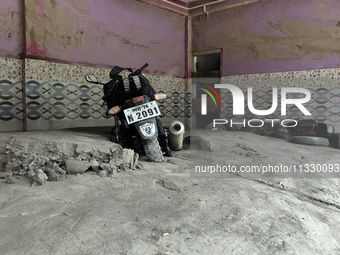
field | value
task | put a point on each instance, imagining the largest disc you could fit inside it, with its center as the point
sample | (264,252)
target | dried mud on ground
(158,208)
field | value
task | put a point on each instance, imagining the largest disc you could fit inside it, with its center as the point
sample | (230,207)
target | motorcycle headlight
(114,110)
(160,96)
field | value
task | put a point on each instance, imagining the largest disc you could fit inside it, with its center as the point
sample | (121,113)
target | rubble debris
(103,173)
(10,167)
(3,160)
(10,180)
(4,175)
(43,160)
(110,168)
(125,159)
(77,167)
(55,173)
(38,177)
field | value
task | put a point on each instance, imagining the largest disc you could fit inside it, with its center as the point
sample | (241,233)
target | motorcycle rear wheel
(152,150)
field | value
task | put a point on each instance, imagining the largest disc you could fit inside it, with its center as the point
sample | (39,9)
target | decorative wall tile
(11,103)
(324,86)
(11,95)
(58,73)
(10,69)
(60,92)
(35,69)
(72,102)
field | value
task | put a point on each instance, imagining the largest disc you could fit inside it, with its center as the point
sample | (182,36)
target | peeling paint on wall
(95,33)
(11,31)
(35,31)
(272,36)
(108,33)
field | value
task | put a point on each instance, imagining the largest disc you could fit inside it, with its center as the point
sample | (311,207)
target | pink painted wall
(11,29)
(105,33)
(271,36)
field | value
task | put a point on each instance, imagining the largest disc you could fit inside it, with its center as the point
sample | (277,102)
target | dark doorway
(207,68)
(208,63)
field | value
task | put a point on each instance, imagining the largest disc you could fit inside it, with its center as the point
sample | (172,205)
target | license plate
(142,112)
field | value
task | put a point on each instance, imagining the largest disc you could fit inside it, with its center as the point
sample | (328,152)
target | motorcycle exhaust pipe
(176,133)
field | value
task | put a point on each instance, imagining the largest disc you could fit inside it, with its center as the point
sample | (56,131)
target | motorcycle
(136,125)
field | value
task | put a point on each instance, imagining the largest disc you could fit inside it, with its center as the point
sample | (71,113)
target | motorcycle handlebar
(144,66)
(139,71)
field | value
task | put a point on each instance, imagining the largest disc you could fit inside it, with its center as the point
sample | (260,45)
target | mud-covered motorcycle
(135,118)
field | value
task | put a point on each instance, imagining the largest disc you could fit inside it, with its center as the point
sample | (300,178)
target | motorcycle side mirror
(91,78)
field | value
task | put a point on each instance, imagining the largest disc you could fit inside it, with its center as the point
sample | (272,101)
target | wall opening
(207,67)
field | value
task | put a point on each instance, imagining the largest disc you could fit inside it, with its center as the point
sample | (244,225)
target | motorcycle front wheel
(152,150)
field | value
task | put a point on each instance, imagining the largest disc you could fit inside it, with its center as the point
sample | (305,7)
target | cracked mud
(157,208)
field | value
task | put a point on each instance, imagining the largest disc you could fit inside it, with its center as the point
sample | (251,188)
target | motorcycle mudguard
(146,129)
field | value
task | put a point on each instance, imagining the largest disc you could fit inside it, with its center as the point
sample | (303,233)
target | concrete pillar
(188,62)
(36,85)
(188,47)
(34,29)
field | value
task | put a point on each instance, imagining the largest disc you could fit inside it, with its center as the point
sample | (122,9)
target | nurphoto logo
(239,107)
(204,97)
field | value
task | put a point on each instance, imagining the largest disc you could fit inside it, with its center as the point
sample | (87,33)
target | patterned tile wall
(58,96)
(11,95)
(323,84)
